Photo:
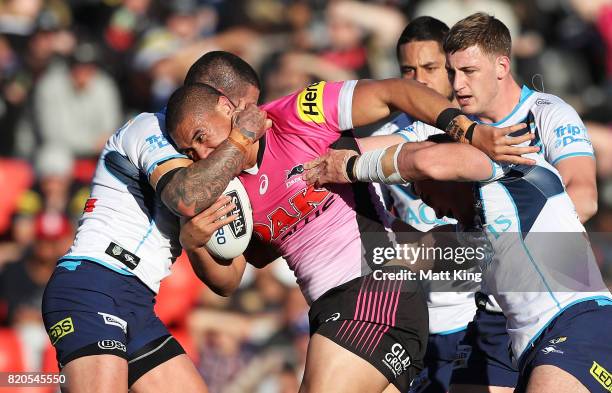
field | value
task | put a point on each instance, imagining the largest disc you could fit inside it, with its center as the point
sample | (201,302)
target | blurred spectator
(55,191)
(77,105)
(22,282)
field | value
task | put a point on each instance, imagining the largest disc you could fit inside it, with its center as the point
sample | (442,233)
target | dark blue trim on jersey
(525,93)
(529,188)
(402,121)
(533,262)
(569,155)
(137,183)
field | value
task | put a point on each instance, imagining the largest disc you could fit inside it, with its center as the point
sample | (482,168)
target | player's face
(474,78)
(424,61)
(200,134)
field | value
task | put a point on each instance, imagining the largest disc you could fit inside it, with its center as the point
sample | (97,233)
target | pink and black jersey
(319,232)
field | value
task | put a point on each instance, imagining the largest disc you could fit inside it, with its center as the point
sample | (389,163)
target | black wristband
(470,132)
(350,168)
(446,116)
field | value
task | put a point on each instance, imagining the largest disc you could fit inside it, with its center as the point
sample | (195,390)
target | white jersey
(542,261)
(449,312)
(125,226)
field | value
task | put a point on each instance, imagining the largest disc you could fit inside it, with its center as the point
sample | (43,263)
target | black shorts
(382,321)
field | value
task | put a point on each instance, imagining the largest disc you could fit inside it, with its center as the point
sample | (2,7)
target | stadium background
(72,71)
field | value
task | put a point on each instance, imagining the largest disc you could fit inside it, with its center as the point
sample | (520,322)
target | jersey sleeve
(145,144)
(418,132)
(321,110)
(562,132)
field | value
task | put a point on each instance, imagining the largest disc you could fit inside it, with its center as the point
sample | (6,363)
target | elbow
(224,290)
(588,210)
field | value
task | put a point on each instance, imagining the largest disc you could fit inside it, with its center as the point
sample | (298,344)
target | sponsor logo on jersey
(111,319)
(157,142)
(284,223)
(397,360)
(551,349)
(602,376)
(263,184)
(310,103)
(111,344)
(238,226)
(61,329)
(558,340)
(570,133)
(541,101)
(122,255)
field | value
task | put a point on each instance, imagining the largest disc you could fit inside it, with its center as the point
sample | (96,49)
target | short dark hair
(423,28)
(482,30)
(189,100)
(225,72)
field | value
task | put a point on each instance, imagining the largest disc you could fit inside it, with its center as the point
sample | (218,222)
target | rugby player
(554,332)
(365,334)
(98,305)
(421,57)
(478,51)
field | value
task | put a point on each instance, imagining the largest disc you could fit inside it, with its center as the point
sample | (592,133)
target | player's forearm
(194,188)
(373,100)
(222,277)
(446,162)
(584,197)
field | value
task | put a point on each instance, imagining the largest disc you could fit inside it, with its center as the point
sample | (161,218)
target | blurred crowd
(73,71)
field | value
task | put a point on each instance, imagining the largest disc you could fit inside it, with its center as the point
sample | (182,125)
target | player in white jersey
(98,305)
(421,58)
(478,52)
(554,324)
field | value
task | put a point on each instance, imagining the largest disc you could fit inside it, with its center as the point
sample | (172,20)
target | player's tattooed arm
(196,187)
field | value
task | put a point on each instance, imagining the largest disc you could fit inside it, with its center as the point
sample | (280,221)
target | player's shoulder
(543,104)
(147,121)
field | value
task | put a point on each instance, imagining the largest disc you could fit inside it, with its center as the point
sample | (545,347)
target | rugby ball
(231,240)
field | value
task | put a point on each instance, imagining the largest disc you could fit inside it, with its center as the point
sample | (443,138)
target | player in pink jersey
(366,331)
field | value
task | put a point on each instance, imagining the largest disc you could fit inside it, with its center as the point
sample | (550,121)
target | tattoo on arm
(248,134)
(196,187)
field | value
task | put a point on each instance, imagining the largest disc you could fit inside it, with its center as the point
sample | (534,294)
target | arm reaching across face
(374,100)
(402,163)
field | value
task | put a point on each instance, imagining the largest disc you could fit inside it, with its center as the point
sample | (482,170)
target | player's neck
(504,102)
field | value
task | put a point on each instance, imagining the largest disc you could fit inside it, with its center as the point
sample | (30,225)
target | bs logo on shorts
(310,103)
(61,329)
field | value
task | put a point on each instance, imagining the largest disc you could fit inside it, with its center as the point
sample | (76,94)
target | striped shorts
(381,318)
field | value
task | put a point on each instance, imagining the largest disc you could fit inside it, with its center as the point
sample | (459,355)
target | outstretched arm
(373,100)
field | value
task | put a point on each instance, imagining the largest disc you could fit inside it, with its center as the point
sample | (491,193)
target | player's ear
(224,106)
(502,66)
